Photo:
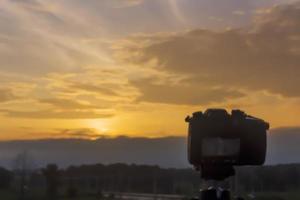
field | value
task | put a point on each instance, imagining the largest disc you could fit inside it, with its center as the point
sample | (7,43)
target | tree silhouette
(5,178)
(51,174)
(23,166)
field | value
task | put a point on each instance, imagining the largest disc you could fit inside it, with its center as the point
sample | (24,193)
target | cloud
(181,94)
(50,114)
(63,133)
(77,133)
(263,57)
(124,3)
(6,95)
(67,103)
(93,88)
(49,38)
(238,12)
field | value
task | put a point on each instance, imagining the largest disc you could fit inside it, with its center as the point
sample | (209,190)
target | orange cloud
(6,95)
(264,57)
(50,114)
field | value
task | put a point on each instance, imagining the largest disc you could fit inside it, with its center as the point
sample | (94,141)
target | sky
(90,68)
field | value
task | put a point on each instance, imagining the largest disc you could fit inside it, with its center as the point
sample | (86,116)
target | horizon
(167,152)
(272,131)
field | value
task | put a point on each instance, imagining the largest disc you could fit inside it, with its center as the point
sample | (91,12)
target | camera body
(217,138)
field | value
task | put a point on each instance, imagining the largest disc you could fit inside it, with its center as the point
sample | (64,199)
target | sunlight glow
(175,8)
(101,126)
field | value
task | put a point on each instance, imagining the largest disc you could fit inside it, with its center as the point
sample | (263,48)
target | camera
(219,139)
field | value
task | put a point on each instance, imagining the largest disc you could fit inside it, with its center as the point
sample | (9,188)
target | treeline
(97,179)
(133,178)
(152,179)
(269,178)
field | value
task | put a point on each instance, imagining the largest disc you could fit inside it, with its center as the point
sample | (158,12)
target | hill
(283,147)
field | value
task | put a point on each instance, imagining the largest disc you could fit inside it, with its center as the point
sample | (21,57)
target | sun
(101,126)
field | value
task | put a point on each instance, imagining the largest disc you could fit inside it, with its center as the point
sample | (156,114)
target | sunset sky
(93,68)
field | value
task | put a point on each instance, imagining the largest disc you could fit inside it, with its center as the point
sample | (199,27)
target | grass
(292,195)
(7,195)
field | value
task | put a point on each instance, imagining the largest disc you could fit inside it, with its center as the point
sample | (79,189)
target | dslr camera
(217,141)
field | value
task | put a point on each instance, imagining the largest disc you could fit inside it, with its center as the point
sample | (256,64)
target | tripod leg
(209,194)
(225,195)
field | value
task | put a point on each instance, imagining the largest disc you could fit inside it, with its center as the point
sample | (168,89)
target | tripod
(214,188)
(215,193)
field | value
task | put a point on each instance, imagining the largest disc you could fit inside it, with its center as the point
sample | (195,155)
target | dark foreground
(141,182)
(10,195)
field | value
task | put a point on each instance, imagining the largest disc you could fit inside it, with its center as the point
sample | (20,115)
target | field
(279,196)
(10,195)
